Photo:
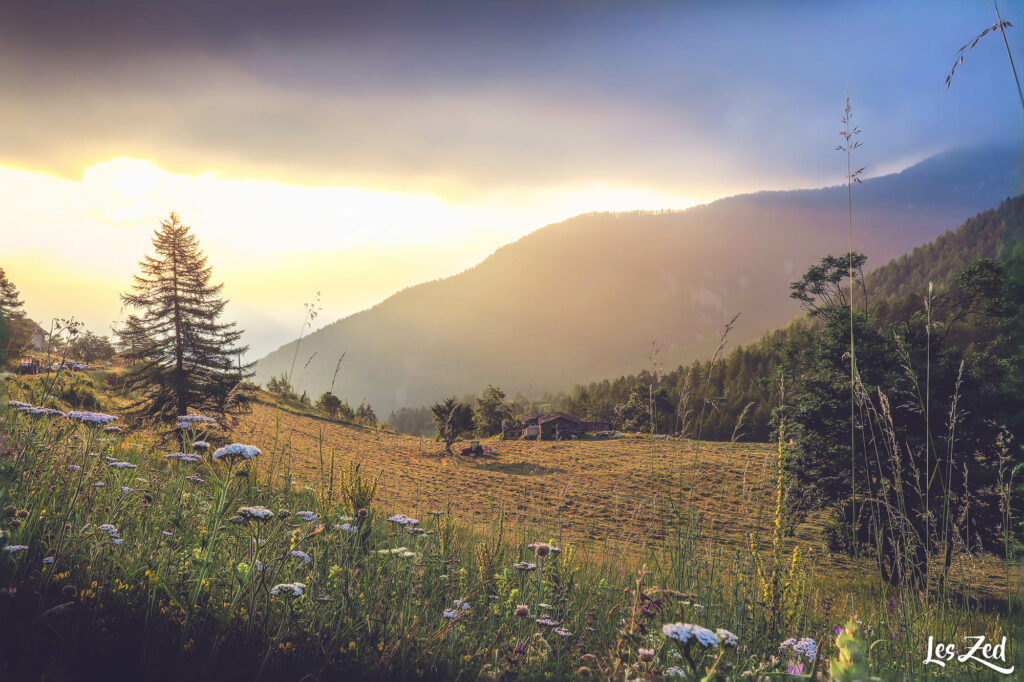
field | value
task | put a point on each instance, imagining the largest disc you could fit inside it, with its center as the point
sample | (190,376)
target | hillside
(988,234)
(746,374)
(585,298)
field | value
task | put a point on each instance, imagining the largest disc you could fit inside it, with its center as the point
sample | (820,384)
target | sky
(358,148)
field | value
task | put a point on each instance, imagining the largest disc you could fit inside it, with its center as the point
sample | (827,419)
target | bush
(80,396)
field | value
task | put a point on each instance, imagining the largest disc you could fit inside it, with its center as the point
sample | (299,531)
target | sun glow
(272,244)
(121,189)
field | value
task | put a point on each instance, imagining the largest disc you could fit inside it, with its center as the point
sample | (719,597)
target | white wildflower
(403,520)
(726,637)
(686,632)
(91,417)
(289,589)
(109,529)
(255,513)
(235,451)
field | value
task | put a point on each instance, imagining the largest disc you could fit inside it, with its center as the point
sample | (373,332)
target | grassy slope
(179,599)
(610,495)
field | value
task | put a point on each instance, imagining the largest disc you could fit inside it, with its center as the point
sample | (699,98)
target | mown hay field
(596,490)
(609,496)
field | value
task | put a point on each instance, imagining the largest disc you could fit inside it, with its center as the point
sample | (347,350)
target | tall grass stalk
(705,399)
(849,133)
(312,310)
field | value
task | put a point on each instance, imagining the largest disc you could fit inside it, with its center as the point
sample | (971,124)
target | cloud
(462,100)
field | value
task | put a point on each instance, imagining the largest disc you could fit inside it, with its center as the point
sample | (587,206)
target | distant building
(554,426)
(38,337)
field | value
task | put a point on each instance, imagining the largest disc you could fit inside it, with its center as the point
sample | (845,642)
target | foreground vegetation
(123,561)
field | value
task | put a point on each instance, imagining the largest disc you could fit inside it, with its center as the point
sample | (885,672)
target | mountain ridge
(524,317)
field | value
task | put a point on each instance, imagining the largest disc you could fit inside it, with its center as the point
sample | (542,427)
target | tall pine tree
(13,327)
(182,356)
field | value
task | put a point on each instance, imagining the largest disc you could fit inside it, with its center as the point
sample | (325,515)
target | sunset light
(511,340)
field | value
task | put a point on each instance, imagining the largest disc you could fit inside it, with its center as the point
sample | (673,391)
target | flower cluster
(688,632)
(41,411)
(201,445)
(288,589)
(726,637)
(11,549)
(186,457)
(113,429)
(299,554)
(17,403)
(403,552)
(255,513)
(188,421)
(804,646)
(459,605)
(111,530)
(307,515)
(403,520)
(92,417)
(235,451)
(121,465)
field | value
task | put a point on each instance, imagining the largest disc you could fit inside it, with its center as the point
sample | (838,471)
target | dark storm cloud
(700,98)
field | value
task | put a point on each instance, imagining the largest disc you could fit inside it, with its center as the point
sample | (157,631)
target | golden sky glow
(273,245)
(359,148)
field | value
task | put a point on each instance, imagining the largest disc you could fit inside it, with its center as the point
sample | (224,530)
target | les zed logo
(981,651)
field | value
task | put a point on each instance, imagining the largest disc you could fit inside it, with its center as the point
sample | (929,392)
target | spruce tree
(10,299)
(182,356)
(13,330)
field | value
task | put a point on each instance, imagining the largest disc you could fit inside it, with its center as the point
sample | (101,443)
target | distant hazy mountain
(583,299)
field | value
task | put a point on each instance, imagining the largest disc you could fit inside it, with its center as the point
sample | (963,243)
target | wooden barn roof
(558,415)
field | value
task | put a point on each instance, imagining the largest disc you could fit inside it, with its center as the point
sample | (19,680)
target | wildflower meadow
(124,560)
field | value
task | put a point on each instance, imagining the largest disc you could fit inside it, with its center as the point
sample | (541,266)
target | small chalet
(554,426)
(38,338)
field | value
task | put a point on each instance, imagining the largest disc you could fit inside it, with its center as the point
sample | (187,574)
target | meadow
(341,552)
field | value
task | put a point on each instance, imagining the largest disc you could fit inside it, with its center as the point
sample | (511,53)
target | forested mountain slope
(585,298)
(747,374)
